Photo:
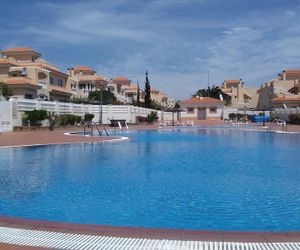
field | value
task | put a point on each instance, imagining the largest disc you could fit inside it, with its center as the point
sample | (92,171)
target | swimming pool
(204,179)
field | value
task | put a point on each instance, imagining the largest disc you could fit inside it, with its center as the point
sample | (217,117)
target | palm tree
(213,92)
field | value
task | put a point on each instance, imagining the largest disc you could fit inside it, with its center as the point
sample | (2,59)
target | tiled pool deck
(12,230)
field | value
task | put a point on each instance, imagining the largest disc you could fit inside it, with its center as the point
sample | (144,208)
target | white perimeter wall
(284,114)
(125,112)
(5,116)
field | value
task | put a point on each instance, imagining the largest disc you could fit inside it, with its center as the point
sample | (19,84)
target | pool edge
(151,233)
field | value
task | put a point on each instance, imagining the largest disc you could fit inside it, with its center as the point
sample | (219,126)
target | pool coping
(102,140)
(151,233)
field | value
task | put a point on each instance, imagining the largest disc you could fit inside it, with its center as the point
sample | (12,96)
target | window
(51,80)
(190,110)
(28,96)
(212,110)
(60,82)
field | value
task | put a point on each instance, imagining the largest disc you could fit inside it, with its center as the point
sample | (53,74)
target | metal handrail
(282,123)
(93,125)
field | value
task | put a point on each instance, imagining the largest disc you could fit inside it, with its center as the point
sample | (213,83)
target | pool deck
(15,139)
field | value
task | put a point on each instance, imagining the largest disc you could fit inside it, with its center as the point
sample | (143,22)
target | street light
(101,104)
(101,112)
(264,122)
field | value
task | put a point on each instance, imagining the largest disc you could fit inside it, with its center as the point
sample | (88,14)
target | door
(201,113)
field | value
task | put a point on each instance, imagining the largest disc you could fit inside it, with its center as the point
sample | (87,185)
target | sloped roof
(59,89)
(83,68)
(7,62)
(121,79)
(20,81)
(232,81)
(292,71)
(20,49)
(195,100)
(284,99)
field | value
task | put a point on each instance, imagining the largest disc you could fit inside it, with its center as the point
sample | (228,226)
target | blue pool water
(209,179)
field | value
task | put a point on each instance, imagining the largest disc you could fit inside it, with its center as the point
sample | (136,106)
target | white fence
(5,116)
(284,114)
(109,112)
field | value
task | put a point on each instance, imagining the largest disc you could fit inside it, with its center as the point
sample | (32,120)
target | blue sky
(177,41)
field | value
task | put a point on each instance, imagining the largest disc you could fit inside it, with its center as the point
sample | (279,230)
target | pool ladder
(92,126)
(277,122)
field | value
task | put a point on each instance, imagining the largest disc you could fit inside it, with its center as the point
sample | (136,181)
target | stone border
(151,233)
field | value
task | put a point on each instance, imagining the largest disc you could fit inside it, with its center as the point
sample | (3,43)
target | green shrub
(35,117)
(294,119)
(88,117)
(69,119)
(152,117)
(232,116)
(141,119)
(274,117)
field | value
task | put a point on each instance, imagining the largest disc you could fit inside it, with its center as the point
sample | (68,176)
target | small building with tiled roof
(201,108)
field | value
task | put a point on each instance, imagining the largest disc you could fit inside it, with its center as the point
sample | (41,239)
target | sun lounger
(190,123)
(180,123)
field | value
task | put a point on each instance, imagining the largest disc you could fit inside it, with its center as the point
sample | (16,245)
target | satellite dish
(221,97)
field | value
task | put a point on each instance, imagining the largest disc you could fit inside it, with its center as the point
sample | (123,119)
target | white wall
(194,115)
(5,116)
(126,112)
(284,114)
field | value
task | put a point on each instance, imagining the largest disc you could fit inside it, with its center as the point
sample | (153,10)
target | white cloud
(254,45)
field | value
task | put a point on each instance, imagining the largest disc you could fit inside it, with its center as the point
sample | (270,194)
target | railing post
(82,109)
(57,107)
(38,104)
(110,114)
(71,108)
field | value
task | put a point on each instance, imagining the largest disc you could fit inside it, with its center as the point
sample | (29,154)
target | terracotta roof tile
(59,89)
(6,61)
(20,81)
(121,79)
(292,71)
(232,81)
(283,99)
(195,100)
(83,68)
(17,49)
(20,50)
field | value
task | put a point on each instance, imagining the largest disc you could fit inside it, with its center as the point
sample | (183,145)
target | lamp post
(264,122)
(101,107)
